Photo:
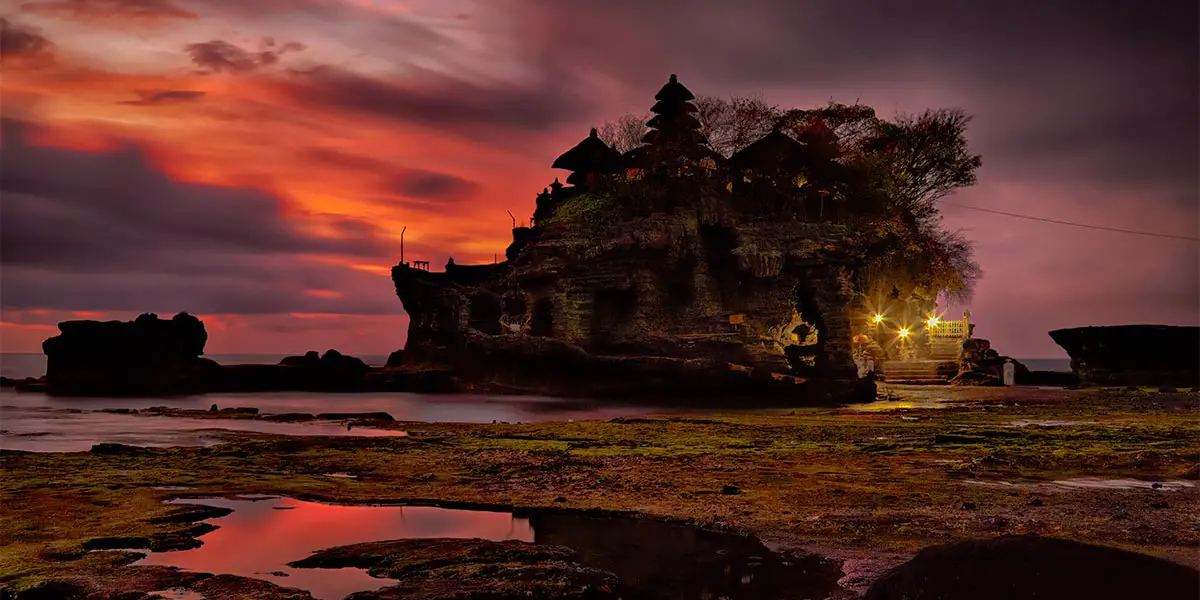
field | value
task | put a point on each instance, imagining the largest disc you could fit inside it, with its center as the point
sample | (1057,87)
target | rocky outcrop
(1156,355)
(668,270)
(663,305)
(429,569)
(1032,567)
(979,364)
(156,357)
(143,357)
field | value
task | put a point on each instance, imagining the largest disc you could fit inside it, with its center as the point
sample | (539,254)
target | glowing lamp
(903,332)
(877,319)
(932,322)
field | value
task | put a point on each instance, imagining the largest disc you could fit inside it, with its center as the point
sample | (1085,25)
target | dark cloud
(22,46)
(141,11)
(219,56)
(1068,89)
(117,234)
(416,184)
(443,101)
(346,160)
(428,185)
(160,97)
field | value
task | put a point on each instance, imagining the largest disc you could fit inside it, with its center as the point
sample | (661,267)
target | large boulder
(979,364)
(1155,355)
(146,356)
(1028,567)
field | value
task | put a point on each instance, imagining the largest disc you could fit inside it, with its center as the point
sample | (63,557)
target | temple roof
(681,121)
(774,149)
(592,154)
(661,107)
(674,91)
(648,156)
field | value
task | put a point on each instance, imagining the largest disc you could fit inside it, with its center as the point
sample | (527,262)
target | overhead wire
(1072,223)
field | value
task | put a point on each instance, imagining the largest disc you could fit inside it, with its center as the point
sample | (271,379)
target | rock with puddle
(468,568)
(1020,567)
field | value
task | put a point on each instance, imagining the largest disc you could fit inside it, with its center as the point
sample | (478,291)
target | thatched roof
(590,155)
(674,92)
(684,136)
(776,149)
(679,121)
(661,107)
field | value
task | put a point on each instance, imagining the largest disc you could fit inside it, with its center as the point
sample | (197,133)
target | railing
(959,330)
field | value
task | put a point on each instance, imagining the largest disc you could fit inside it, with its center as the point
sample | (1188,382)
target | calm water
(653,560)
(16,365)
(40,423)
(39,429)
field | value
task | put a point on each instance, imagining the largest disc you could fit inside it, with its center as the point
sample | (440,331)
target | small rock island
(667,270)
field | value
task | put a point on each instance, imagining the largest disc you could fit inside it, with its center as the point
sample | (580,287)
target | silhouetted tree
(732,124)
(889,175)
(625,133)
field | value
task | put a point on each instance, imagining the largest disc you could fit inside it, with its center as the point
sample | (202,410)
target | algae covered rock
(429,569)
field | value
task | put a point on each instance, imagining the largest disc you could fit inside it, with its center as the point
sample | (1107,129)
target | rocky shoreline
(867,488)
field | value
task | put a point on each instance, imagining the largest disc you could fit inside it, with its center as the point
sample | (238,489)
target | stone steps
(920,372)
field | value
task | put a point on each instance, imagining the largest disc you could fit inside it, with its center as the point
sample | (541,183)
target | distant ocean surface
(34,365)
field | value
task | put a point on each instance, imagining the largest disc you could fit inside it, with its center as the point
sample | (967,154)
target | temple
(667,269)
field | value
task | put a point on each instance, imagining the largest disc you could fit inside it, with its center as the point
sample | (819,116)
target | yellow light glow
(932,322)
(878,318)
(904,332)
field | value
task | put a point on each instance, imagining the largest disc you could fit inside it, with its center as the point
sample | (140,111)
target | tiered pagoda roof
(591,155)
(674,129)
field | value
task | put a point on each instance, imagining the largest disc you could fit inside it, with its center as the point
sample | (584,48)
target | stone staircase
(945,349)
(913,372)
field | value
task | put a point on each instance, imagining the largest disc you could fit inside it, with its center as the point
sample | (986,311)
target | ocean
(34,365)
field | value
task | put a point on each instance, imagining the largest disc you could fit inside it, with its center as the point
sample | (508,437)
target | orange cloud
(110,12)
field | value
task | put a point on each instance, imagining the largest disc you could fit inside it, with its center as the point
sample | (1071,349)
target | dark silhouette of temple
(666,269)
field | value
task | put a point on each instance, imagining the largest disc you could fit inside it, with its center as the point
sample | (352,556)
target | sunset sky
(253,161)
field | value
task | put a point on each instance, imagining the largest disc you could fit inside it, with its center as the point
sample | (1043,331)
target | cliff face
(663,304)
(1133,354)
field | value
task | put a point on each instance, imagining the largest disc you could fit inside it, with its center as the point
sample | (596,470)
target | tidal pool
(653,559)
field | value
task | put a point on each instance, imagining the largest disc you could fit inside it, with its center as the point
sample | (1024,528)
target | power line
(1084,225)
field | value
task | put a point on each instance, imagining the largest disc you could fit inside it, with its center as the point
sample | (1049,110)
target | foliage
(733,124)
(890,174)
(625,133)
(589,209)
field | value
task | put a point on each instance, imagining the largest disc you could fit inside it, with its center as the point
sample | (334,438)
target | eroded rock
(429,569)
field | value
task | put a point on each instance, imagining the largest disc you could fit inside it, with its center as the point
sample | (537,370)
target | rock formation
(1157,355)
(663,281)
(158,357)
(979,364)
(1029,566)
(146,356)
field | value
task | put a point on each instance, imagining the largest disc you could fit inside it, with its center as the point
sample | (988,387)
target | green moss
(587,209)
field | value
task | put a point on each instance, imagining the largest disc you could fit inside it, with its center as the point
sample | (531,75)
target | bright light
(932,322)
(904,332)
(878,318)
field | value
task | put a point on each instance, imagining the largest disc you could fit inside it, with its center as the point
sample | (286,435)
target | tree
(890,174)
(625,133)
(733,124)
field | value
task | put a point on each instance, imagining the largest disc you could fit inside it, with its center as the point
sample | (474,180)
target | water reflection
(258,539)
(654,560)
